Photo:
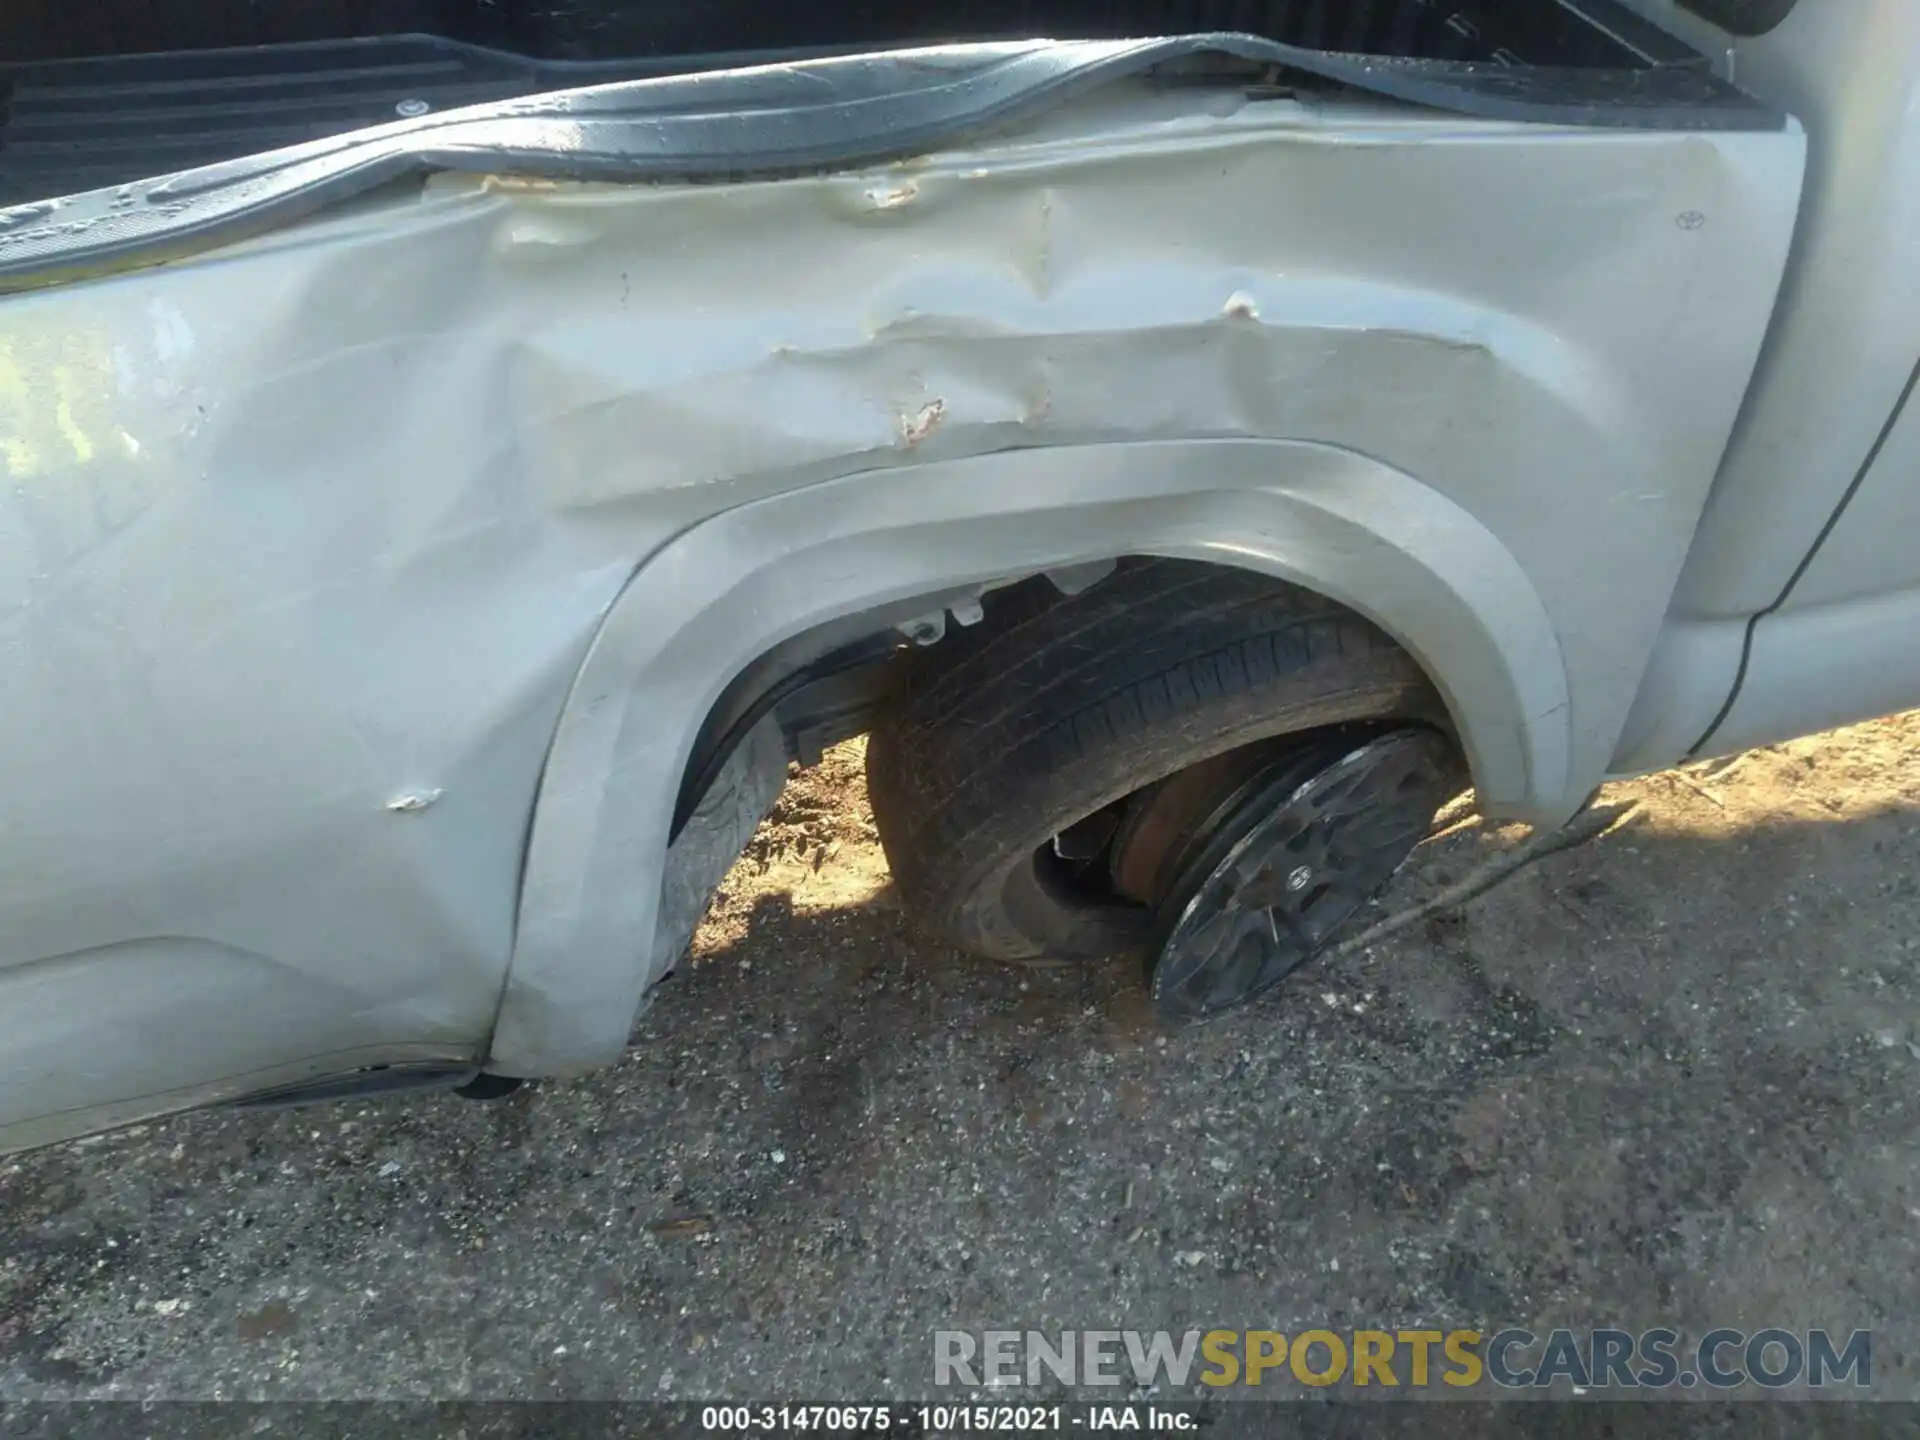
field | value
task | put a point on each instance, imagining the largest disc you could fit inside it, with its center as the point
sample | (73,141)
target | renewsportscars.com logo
(1611,1359)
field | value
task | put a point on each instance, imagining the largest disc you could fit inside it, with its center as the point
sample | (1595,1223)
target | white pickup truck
(454,462)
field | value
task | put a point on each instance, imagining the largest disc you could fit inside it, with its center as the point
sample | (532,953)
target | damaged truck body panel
(379,537)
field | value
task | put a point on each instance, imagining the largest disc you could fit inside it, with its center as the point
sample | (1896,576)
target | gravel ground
(1665,1077)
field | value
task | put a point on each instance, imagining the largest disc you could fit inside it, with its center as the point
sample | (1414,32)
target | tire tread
(1052,701)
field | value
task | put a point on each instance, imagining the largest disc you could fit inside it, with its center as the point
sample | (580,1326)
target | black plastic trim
(711,756)
(371,1082)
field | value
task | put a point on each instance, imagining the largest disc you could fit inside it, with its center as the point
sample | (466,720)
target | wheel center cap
(1305,846)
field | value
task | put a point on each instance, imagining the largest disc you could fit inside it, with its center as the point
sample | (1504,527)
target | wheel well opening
(827,684)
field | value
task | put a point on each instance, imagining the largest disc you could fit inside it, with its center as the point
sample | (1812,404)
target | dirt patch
(817,851)
(1670,1076)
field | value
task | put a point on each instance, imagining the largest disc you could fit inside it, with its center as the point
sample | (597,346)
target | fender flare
(709,601)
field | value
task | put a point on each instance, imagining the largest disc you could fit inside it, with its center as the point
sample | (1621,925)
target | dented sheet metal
(304,543)
(783,119)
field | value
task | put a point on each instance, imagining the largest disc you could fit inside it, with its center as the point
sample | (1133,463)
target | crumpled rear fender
(717,596)
(305,538)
